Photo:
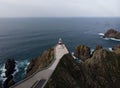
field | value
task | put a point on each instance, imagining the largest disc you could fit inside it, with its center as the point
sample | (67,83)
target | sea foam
(102,34)
(19,65)
(112,39)
(110,49)
(2,75)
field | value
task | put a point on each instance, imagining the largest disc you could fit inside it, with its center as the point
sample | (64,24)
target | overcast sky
(59,8)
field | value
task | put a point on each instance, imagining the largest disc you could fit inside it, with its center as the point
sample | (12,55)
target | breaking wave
(114,39)
(102,34)
(20,68)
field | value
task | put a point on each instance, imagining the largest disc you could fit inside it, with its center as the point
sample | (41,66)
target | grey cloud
(59,8)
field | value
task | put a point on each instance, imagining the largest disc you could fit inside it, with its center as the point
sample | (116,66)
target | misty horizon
(59,8)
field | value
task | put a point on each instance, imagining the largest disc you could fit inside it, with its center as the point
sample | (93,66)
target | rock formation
(0,83)
(82,52)
(66,74)
(116,49)
(98,47)
(41,62)
(10,68)
(111,33)
(102,70)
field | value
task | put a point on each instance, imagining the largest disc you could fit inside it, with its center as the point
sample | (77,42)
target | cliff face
(111,33)
(66,74)
(116,49)
(102,70)
(41,62)
(82,52)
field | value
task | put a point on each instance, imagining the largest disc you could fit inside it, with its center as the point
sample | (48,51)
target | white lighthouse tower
(60,44)
(60,41)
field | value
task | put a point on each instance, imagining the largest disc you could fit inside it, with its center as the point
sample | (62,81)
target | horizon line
(68,17)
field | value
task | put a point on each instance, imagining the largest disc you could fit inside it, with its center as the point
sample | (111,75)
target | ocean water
(26,38)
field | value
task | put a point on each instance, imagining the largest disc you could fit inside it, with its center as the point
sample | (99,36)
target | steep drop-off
(102,70)
(41,62)
(66,74)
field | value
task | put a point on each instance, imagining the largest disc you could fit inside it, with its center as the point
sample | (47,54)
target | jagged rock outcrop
(116,49)
(41,62)
(9,82)
(82,52)
(98,47)
(111,33)
(66,74)
(102,70)
(10,68)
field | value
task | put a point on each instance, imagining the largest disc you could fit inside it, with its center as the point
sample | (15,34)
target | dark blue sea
(26,38)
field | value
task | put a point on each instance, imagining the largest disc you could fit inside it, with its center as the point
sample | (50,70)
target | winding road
(39,79)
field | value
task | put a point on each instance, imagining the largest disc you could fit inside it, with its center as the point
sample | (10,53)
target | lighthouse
(60,44)
(60,41)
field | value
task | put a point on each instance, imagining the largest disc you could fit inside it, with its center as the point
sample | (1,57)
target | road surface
(59,52)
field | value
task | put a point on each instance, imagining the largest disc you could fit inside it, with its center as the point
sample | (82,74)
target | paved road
(59,51)
(40,83)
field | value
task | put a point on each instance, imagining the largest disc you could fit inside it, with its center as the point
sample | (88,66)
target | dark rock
(10,67)
(0,83)
(102,70)
(9,82)
(111,33)
(82,52)
(66,75)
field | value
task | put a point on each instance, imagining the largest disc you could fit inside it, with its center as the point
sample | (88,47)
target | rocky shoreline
(101,69)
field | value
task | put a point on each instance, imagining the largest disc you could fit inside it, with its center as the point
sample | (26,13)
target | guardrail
(35,72)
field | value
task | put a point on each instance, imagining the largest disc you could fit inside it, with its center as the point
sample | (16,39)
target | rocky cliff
(102,70)
(41,62)
(66,74)
(111,33)
(116,49)
(10,68)
(82,52)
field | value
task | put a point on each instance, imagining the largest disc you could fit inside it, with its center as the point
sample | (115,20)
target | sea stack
(112,33)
